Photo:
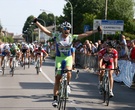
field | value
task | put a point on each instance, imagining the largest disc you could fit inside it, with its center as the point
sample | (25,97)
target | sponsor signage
(109,25)
(113,25)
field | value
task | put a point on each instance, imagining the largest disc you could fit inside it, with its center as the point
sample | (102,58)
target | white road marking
(51,81)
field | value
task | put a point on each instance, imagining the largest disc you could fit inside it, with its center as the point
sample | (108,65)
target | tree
(85,11)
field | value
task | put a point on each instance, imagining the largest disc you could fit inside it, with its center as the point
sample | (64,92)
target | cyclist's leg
(101,74)
(10,62)
(57,79)
(2,58)
(41,59)
(111,82)
(73,57)
(46,55)
(69,63)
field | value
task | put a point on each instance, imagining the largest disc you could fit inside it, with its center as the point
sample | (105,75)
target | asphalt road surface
(28,91)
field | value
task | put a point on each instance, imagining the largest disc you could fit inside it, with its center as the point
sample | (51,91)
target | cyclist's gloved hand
(35,20)
(117,71)
(99,28)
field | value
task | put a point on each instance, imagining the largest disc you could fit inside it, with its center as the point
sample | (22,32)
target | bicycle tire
(24,61)
(3,67)
(28,62)
(13,68)
(107,91)
(63,97)
(37,67)
(103,90)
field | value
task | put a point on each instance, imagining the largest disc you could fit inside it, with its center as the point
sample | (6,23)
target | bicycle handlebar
(108,69)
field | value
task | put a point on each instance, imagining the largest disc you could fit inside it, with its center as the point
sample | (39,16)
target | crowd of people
(125,48)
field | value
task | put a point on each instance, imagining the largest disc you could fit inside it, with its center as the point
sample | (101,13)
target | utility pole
(106,3)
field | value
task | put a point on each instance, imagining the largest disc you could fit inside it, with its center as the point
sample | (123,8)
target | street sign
(112,25)
(109,26)
(96,23)
(109,32)
(86,28)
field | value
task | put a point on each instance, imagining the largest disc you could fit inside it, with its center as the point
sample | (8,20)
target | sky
(13,13)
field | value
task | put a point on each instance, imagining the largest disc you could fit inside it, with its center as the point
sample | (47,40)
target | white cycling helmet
(66,24)
(6,47)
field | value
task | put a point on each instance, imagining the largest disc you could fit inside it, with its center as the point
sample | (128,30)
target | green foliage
(8,39)
(88,19)
(85,11)
(129,36)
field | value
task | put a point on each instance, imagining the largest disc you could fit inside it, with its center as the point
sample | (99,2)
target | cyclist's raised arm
(43,28)
(89,33)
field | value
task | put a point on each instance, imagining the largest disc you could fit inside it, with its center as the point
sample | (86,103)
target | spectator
(123,41)
(88,47)
(132,54)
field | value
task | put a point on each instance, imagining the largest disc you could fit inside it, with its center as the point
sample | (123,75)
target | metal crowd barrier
(86,61)
(127,68)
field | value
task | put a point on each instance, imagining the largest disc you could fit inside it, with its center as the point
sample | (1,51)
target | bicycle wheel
(13,66)
(63,97)
(59,97)
(3,67)
(104,90)
(28,62)
(24,61)
(107,91)
(37,67)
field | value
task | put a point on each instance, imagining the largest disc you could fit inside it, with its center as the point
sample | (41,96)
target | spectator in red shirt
(132,54)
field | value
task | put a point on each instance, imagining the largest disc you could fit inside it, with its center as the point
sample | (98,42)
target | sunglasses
(66,28)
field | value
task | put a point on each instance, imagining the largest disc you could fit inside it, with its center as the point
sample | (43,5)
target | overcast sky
(13,13)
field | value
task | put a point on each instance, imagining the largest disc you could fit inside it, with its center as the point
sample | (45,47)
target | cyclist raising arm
(63,50)
(108,58)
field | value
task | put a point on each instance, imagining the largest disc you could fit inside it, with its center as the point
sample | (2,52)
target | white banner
(127,71)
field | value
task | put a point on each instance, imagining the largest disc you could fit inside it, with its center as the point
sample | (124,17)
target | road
(28,91)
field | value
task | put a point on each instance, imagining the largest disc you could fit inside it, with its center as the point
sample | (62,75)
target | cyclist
(63,42)
(108,58)
(25,49)
(31,47)
(5,52)
(40,51)
(14,50)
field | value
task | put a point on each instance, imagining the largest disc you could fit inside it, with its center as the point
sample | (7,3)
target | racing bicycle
(63,93)
(105,87)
